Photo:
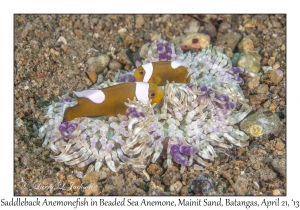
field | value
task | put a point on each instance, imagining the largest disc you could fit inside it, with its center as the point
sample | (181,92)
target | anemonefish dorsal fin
(141,92)
(96,96)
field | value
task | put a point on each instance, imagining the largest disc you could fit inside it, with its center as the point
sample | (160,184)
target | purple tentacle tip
(231,105)
(68,99)
(67,129)
(240,80)
(131,112)
(187,150)
(161,51)
(223,97)
(236,70)
(169,50)
(177,157)
(134,114)
(190,85)
(203,88)
(126,78)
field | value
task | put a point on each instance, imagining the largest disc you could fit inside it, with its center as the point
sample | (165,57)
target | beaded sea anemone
(192,120)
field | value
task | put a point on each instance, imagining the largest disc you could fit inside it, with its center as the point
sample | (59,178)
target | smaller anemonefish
(110,101)
(161,71)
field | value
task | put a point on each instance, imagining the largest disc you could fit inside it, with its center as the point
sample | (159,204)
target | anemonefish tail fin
(68,116)
(188,79)
(190,72)
(67,113)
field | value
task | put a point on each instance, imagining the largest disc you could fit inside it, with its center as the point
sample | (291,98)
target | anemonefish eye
(152,95)
(141,72)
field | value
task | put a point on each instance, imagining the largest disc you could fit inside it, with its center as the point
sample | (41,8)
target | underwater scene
(145,105)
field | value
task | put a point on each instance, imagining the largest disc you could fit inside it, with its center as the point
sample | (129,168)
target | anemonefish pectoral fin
(152,80)
(96,96)
(157,80)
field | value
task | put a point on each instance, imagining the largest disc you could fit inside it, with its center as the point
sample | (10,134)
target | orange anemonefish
(161,71)
(110,101)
